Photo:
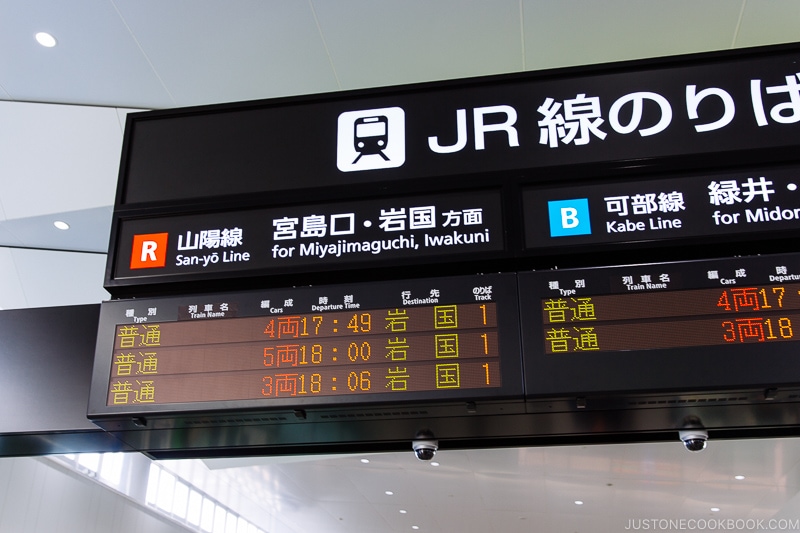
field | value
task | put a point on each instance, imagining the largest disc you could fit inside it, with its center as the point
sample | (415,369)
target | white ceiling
(61,117)
(513,490)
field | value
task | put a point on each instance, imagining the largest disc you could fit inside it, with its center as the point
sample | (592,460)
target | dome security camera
(425,449)
(694,439)
(425,445)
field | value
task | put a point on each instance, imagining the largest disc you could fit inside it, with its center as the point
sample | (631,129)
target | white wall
(37,496)
(57,162)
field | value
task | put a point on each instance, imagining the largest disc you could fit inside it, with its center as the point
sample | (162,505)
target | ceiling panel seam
(325,44)
(522,33)
(19,278)
(738,24)
(46,249)
(146,57)
(3,89)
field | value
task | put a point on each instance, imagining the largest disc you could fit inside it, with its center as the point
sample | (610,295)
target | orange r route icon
(149,251)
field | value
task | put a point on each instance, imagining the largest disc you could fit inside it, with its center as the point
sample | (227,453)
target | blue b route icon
(569,217)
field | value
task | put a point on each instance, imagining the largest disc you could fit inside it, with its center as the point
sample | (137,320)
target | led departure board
(452,338)
(672,325)
(646,321)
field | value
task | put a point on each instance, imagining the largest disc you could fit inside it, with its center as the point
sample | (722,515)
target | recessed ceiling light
(414,527)
(403,511)
(738,477)
(389,493)
(578,502)
(365,461)
(434,463)
(45,39)
(60,224)
(715,509)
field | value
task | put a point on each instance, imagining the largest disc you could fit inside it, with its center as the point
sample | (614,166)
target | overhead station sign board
(433,340)
(703,205)
(671,326)
(447,177)
(317,236)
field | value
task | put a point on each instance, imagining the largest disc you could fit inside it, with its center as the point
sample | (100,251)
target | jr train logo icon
(371,139)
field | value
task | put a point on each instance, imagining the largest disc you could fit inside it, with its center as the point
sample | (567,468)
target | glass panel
(195,507)
(89,461)
(181,499)
(166,488)
(207,520)
(111,468)
(220,517)
(152,484)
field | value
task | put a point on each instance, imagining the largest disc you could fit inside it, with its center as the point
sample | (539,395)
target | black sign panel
(318,236)
(674,326)
(703,205)
(660,108)
(434,340)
